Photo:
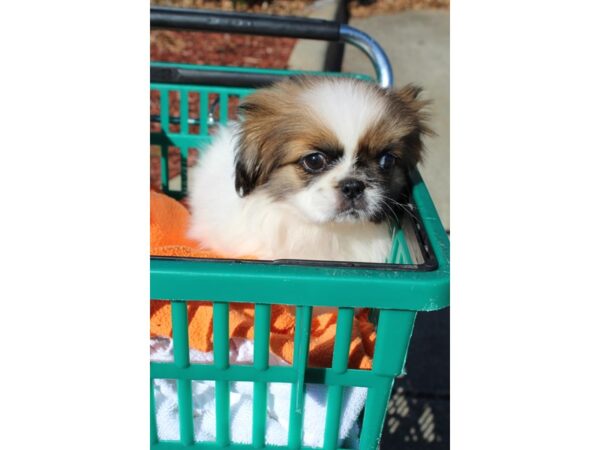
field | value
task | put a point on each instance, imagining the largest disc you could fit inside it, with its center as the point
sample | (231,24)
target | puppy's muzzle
(352,188)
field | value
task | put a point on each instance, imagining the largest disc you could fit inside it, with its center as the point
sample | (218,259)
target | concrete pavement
(417,43)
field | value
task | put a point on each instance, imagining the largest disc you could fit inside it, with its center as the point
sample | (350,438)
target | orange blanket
(168,227)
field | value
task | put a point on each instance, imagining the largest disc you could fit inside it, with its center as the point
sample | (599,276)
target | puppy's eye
(315,162)
(386,161)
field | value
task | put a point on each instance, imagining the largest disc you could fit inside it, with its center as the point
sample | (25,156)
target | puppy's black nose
(352,188)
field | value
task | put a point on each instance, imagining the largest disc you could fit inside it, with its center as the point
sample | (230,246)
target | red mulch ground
(393,6)
(220,49)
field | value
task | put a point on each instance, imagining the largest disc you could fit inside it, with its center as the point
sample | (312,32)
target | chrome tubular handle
(369,46)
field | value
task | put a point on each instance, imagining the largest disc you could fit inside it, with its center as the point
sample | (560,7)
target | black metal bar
(335,50)
(231,22)
(281,26)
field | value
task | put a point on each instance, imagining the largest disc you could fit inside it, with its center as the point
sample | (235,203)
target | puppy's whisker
(405,207)
(391,209)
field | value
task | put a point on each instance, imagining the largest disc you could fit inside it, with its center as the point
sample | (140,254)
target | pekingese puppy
(314,169)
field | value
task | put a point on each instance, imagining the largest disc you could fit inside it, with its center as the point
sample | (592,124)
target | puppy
(314,169)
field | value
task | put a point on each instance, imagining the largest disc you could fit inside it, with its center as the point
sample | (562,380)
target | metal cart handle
(282,26)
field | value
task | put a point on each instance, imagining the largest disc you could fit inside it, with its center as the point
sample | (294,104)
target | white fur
(307,225)
(345,108)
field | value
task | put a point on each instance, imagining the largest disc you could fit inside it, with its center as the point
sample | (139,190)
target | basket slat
(262,326)
(221,352)
(301,341)
(181,354)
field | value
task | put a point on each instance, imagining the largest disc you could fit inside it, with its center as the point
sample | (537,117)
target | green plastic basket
(415,279)
(396,292)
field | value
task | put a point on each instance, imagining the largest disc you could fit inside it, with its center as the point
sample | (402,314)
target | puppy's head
(336,150)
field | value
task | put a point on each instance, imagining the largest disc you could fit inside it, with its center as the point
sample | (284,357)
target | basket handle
(281,26)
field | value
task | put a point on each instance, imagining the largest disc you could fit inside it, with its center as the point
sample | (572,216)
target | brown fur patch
(277,130)
(401,130)
(288,179)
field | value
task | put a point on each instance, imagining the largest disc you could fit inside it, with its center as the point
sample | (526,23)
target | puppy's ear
(413,112)
(252,160)
(247,165)
(244,181)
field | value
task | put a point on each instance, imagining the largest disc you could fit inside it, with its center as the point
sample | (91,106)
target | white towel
(240,401)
